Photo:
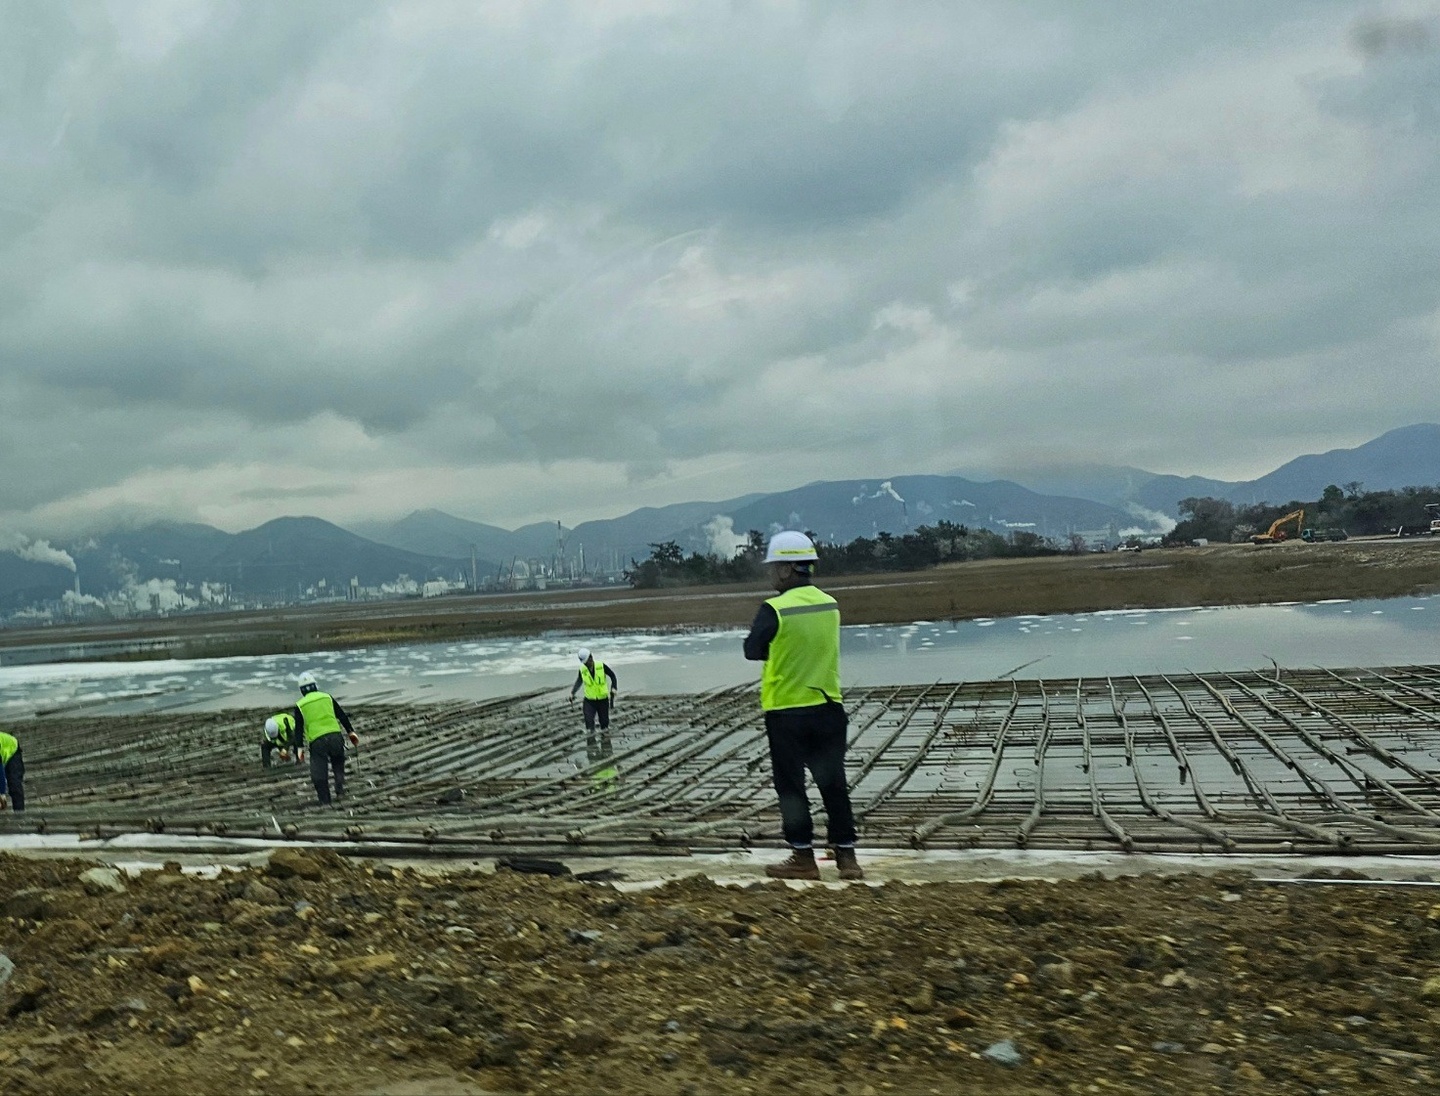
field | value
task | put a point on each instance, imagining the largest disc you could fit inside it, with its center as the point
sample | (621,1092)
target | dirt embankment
(1229,574)
(322,975)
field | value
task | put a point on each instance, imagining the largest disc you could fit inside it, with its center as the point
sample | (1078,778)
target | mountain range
(1408,456)
(281,556)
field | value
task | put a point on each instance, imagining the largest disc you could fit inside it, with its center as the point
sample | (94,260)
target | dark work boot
(800,865)
(848,865)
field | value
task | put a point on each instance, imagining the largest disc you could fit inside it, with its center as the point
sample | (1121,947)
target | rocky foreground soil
(318,974)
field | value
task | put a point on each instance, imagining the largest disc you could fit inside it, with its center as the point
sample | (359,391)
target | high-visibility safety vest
(803,666)
(8,745)
(287,725)
(597,686)
(319,711)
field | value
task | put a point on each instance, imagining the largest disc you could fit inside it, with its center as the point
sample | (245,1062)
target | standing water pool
(1400,631)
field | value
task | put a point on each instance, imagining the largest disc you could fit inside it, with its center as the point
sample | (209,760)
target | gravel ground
(318,974)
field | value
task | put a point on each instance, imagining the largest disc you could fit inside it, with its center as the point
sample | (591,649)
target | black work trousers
(596,709)
(15,777)
(326,753)
(811,738)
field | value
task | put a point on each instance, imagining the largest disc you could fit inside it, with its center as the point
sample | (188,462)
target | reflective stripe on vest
(803,666)
(8,745)
(597,687)
(319,711)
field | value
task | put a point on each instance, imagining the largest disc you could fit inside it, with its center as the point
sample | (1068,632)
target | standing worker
(797,635)
(12,772)
(280,735)
(601,689)
(318,722)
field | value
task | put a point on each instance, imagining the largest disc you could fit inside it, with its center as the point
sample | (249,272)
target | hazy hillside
(436,533)
(630,535)
(24,582)
(288,553)
(1405,457)
(275,558)
(845,509)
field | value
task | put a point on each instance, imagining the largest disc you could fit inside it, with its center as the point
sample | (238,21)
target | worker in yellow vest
(280,735)
(797,635)
(319,720)
(12,773)
(601,687)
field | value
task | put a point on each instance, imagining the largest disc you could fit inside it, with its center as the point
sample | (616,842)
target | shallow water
(1399,631)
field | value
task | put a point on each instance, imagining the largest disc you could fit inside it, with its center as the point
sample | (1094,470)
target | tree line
(668,565)
(1350,509)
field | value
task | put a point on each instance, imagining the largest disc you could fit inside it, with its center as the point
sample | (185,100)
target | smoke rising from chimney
(37,551)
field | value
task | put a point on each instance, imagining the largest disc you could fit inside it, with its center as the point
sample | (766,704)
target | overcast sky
(528,260)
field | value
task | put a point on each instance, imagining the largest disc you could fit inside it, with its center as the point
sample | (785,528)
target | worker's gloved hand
(572,700)
(299,755)
(4,803)
(284,755)
(354,739)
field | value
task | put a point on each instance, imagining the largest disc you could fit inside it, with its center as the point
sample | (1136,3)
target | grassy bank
(1160,578)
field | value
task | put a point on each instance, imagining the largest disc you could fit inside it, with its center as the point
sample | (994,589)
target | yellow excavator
(1276,532)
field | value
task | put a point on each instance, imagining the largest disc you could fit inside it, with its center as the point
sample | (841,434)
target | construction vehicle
(1433,509)
(1311,536)
(1276,532)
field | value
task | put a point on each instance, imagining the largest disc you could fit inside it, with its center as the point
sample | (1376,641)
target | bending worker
(12,773)
(318,723)
(601,688)
(280,734)
(797,635)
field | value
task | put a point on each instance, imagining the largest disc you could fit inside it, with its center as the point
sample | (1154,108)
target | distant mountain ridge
(1408,456)
(286,553)
(276,559)
(436,533)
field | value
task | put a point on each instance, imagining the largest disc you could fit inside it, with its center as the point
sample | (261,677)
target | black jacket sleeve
(764,628)
(614,681)
(298,733)
(342,717)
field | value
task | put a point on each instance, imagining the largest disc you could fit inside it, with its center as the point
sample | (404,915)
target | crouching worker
(12,773)
(280,735)
(319,722)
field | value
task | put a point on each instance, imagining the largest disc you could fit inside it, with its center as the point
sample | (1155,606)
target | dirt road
(322,975)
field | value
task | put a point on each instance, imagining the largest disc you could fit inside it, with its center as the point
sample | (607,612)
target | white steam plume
(1158,519)
(37,551)
(724,541)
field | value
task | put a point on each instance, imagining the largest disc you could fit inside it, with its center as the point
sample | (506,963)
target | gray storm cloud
(528,261)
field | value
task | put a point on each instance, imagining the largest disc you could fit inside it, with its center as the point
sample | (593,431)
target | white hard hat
(583,654)
(307,681)
(791,547)
(272,729)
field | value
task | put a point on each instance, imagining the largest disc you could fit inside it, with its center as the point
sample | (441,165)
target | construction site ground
(1012,948)
(305,971)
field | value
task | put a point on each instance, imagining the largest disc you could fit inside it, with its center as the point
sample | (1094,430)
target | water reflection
(1400,631)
